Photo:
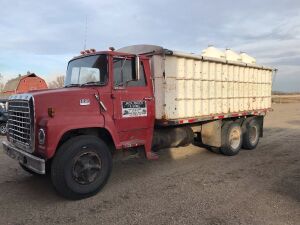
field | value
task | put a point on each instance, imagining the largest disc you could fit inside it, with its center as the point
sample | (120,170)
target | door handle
(148,98)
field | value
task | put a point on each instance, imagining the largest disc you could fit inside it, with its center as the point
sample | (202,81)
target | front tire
(81,167)
(232,138)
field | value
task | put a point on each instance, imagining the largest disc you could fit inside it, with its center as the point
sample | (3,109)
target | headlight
(42,136)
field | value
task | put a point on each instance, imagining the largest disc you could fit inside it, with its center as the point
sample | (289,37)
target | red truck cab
(119,104)
(107,103)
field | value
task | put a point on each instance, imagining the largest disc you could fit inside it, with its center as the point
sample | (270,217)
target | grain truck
(138,97)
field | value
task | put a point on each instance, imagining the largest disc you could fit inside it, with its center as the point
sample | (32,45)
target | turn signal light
(41,136)
(88,51)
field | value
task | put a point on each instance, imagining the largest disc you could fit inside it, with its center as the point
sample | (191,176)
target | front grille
(21,123)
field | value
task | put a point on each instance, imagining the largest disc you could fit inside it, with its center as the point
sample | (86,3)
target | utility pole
(85,34)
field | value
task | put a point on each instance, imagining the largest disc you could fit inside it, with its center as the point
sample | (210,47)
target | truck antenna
(85,34)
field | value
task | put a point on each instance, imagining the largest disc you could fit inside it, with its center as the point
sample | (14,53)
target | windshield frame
(105,83)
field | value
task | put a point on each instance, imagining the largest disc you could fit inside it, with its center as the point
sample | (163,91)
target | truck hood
(66,102)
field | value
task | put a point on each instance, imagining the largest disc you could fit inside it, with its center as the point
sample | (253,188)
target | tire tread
(58,164)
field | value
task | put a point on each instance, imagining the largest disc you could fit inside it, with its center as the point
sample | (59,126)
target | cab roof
(112,53)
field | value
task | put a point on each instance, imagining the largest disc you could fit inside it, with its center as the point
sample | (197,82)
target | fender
(259,119)
(56,128)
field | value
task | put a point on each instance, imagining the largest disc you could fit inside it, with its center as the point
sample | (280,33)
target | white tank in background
(232,56)
(247,58)
(213,52)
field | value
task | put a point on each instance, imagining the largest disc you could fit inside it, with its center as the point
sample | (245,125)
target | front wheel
(81,167)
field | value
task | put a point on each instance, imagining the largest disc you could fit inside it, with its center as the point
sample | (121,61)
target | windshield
(87,70)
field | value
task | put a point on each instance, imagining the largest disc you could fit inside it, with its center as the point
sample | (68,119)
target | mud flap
(211,133)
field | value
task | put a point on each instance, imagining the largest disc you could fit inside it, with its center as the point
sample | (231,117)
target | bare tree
(90,77)
(1,83)
(57,83)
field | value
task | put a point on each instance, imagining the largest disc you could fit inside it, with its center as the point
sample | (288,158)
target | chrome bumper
(32,162)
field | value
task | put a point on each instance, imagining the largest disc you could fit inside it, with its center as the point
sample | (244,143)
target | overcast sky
(41,36)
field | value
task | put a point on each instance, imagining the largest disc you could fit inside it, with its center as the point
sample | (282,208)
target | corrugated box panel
(186,87)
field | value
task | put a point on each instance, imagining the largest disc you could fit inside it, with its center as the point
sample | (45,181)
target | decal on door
(134,109)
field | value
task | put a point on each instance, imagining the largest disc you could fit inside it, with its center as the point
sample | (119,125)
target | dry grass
(286,98)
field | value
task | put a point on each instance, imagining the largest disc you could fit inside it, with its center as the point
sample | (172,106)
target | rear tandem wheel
(232,138)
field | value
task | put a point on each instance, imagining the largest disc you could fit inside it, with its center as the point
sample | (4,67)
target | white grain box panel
(180,72)
(193,87)
(224,97)
(225,75)
(189,68)
(246,74)
(197,70)
(204,70)
(241,87)
(197,98)
(246,96)
(212,98)
(236,74)
(218,75)
(230,72)
(212,71)
(181,109)
(157,68)
(230,89)
(218,96)
(189,97)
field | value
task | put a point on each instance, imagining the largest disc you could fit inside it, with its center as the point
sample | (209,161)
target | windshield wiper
(92,83)
(71,85)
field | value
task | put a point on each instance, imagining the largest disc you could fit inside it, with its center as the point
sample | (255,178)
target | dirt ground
(188,185)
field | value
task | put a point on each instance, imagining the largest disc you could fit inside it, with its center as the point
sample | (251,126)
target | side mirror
(137,68)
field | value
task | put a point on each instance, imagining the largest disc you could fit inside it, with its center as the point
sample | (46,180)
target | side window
(142,81)
(124,70)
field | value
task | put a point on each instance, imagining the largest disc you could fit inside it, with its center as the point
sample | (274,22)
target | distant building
(23,84)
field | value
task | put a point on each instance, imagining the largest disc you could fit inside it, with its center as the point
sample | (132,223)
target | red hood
(66,102)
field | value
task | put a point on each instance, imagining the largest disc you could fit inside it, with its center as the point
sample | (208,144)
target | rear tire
(251,135)
(81,167)
(231,138)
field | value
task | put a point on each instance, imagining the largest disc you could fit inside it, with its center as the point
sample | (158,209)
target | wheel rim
(253,134)
(86,167)
(235,138)
(3,129)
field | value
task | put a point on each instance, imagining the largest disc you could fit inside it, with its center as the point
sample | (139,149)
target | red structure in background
(23,84)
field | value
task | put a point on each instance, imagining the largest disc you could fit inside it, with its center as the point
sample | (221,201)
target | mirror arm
(137,67)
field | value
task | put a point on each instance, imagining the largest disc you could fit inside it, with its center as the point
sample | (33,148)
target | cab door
(133,100)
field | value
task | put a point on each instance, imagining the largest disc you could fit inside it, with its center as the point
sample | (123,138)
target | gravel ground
(188,185)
